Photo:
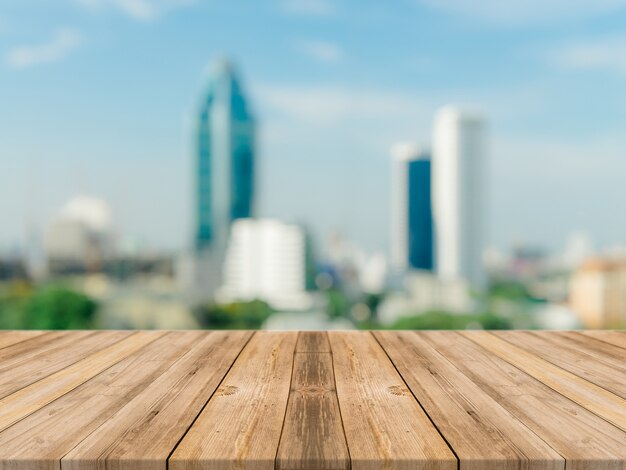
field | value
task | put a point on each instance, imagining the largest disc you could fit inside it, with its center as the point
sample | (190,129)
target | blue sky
(98,97)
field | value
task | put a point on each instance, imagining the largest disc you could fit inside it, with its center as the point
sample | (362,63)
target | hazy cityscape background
(312,164)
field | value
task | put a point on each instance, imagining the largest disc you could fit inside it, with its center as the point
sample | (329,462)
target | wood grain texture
(39,441)
(483,434)
(195,400)
(589,395)
(241,425)
(603,366)
(41,360)
(313,341)
(384,425)
(146,430)
(30,347)
(595,347)
(616,338)
(8,338)
(29,399)
(312,436)
(585,440)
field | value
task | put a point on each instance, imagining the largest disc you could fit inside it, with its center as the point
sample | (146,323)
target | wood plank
(592,346)
(483,434)
(36,395)
(616,338)
(384,425)
(38,362)
(31,346)
(313,436)
(578,357)
(602,402)
(500,400)
(313,341)
(8,338)
(241,425)
(39,441)
(160,415)
(585,440)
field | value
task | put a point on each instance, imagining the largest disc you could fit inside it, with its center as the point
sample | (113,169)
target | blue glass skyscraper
(420,223)
(412,224)
(225,159)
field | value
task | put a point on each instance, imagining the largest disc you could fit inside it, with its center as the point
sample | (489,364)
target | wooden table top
(177,400)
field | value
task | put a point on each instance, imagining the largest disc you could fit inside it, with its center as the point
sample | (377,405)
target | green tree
(58,308)
(437,320)
(236,316)
(510,290)
(338,303)
(13,297)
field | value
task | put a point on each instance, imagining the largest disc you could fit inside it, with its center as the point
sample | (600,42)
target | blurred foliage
(510,290)
(337,303)
(437,320)
(373,301)
(50,307)
(235,316)
(53,306)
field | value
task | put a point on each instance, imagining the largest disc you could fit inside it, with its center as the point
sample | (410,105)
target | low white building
(266,259)
(424,292)
(80,236)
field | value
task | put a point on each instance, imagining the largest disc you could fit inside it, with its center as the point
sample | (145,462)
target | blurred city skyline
(99,98)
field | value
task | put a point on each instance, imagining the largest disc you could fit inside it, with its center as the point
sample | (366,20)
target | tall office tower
(459,180)
(224,178)
(225,159)
(266,259)
(412,224)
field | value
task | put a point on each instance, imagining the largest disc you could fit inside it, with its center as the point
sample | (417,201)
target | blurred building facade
(412,223)
(80,237)
(13,269)
(425,292)
(267,260)
(224,176)
(224,158)
(459,184)
(598,293)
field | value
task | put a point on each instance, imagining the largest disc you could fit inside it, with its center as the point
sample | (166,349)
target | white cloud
(61,44)
(321,51)
(142,10)
(309,7)
(327,105)
(519,13)
(604,53)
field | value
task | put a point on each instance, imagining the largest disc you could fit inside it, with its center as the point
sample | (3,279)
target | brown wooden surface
(312,436)
(385,427)
(241,425)
(312,400)
(600,401)
(481,431)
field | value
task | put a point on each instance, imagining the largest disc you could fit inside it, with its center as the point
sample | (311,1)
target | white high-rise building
(267,260)
(459,187)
